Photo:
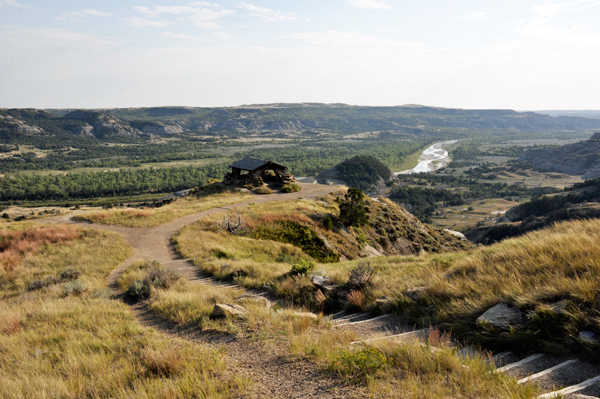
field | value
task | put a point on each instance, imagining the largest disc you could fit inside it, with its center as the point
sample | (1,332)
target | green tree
(352,208)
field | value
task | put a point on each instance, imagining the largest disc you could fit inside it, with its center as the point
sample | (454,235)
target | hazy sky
(519,54)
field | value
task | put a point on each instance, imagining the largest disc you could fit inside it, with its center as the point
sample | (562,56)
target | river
(432,159)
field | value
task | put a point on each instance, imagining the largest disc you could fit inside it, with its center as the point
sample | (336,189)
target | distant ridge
(581,158)
(145,123)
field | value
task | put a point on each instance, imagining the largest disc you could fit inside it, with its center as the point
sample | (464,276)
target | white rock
(222,310)
(502,317)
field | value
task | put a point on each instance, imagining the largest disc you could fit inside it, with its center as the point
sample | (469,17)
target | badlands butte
(130,268)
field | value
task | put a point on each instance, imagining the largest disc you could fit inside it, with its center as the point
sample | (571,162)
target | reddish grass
(17,244)
(11,323)
(357,298)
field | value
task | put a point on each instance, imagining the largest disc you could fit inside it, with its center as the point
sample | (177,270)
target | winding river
(432,159)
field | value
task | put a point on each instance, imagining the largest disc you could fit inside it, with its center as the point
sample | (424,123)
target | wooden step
(571,389)
(520,362)
(547,371)
(362,321)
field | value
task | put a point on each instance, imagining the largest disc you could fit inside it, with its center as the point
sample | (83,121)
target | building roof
(252,164)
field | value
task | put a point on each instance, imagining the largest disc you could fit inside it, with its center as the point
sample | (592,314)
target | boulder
(502,317)
(588,337)
(371,252)
(255,298)
(222,310)
(321,281)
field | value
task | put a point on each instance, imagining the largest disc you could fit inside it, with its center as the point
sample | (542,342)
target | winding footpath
(271,372)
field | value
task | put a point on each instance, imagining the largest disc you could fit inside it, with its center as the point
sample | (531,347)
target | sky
(517,54)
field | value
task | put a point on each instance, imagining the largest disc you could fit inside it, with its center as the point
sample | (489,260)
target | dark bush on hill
(363,171)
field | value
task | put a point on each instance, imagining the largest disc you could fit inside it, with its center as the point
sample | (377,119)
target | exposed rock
(589,337)
(415,293)
(371,252)
(255,298)
(306,315)
(103,125)
(502,317)
(222,310)
(158,128)
(456,233)
(84,131)
(321,281)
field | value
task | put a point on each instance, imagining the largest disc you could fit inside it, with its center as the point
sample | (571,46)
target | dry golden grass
(58,345)
(157,216)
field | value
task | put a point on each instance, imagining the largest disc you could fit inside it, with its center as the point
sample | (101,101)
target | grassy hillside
(62,335)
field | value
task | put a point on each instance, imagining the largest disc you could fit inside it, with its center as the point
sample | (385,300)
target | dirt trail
(273,375)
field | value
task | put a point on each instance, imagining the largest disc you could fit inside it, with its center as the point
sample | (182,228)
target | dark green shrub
(263,190)
(291,188)
(5,215)
(140,289)
(302,266)
(297,234)
(328,222)
(39,284)
(352,208)
(70,275)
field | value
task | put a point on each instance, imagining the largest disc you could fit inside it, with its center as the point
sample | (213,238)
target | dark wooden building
(257,172)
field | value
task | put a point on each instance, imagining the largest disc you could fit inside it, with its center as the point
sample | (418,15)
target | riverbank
(431,159)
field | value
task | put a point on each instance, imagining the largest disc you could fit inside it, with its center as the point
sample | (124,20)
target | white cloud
(207,18)
(80,16)
(222,35)
(476,17)
(266,14)
(10,4)
(340,39)
(96,13)
(139,22)
(370,4)
(75,16)
(157,10)
(182,36)
(195,12)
